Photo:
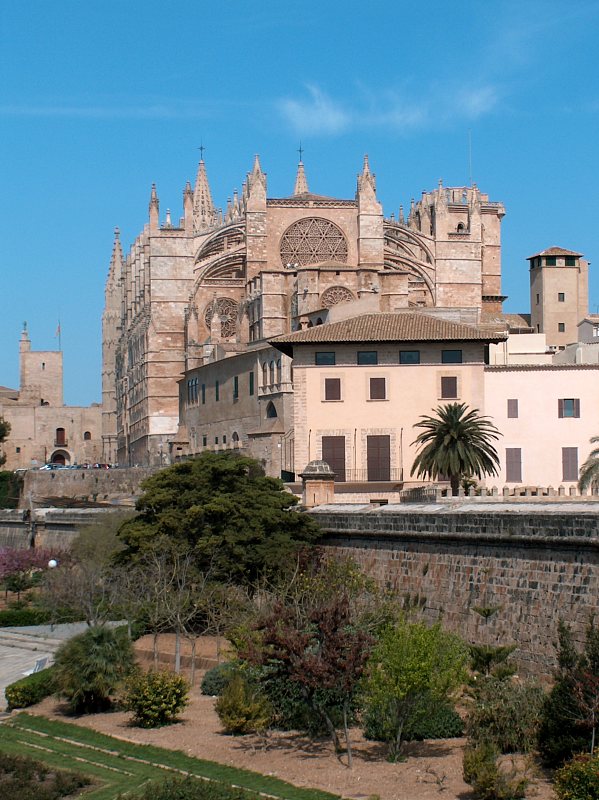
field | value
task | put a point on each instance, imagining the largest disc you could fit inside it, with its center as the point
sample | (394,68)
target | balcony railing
(370,476)
(61,441)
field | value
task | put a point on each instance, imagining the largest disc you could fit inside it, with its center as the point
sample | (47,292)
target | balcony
(61,441)
(379,475)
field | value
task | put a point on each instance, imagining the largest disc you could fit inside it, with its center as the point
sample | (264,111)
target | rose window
(225,310)
(312,241)
(336,294)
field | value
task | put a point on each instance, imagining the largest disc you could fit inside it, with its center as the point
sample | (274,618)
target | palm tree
(457,443)
(589,472)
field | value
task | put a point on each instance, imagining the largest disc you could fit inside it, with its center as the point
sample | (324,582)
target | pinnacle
(301,182)
(203,207)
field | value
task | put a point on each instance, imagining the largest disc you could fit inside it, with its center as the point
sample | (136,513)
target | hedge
(31,689)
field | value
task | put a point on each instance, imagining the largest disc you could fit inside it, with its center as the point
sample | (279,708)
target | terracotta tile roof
(414,326)
(555,251)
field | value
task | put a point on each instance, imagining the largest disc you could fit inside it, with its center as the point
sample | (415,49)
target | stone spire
(188,208)
(117,253)
(256,176)
(153,209)
(301,182)
(366,179)
(203,207)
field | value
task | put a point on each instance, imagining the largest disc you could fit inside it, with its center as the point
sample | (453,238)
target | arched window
(61,438)
(264,374)
(310,324)
(272,372)
(87,436)
(235,438)
(319,321)
(461,228)
(279,370)
(271,411)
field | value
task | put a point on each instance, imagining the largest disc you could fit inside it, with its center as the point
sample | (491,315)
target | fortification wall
(52,528)
(532,565)
(98,485)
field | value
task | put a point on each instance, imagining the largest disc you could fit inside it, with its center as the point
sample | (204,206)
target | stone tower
(559,294)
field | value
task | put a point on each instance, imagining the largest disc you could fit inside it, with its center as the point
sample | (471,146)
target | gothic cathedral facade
(217,284)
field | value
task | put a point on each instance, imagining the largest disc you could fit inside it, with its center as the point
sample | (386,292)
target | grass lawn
(119,766)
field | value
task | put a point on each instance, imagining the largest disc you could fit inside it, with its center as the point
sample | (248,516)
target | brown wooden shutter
(513,464)
(378,458)
(333,452)
(560,408)
(332,388)
(377,389)
(577,407)
(512,409)
(449,387)
(569,463)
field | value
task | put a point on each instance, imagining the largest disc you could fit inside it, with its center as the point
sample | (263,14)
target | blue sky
(99,98)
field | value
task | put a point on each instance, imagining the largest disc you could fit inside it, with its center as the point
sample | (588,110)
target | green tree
(4,431)
(411,663)
(90,667)
(456,443)
(588,477)
(239,522)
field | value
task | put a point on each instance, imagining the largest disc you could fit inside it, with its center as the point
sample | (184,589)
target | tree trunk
(155,649)
(454,481)
(177,651)
(192,675)
(347,739)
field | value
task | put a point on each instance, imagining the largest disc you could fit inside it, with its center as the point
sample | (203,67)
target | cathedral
(216,287)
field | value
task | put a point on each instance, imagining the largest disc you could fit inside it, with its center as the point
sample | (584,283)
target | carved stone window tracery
(335,294)
(225,310)
(312,241)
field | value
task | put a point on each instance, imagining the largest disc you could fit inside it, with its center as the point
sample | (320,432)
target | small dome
(318,469)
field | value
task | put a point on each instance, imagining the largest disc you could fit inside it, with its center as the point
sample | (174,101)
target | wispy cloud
(319,113)
(172,110)
(315,114)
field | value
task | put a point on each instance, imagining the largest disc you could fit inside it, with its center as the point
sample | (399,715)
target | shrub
(156,697)
(191,789)
(23,778)
(506,714)
(560,737)
(488,781)
(31,689)
(215,680)
(578,779)
(242,708)
(20,617)
(90,667)
(431,719)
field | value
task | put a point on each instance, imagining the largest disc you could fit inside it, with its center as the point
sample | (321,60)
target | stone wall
(120,486)
(51,528)
(532,566)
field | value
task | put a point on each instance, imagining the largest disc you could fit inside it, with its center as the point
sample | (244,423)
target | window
(595,330)
(512,409)
(570,261)
(264,374)
(224,438)
(43,365)
(216,440)
(61,438)
(235,388)
(569,463)
(569,407)
(513,464)
(378,458)
(279,373)
(271,369)
(561,327)
(409,356)
(17,449)
(323,359)
(449,387)
(378,389)
(204,441)
(271,411)
(332,388)
(203,394)
(538,298)
(551,261)
(251,383)
(87,436)
(216,391)
(561,297)
(235,438)
(451,356)
(333,452)
(368,357)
